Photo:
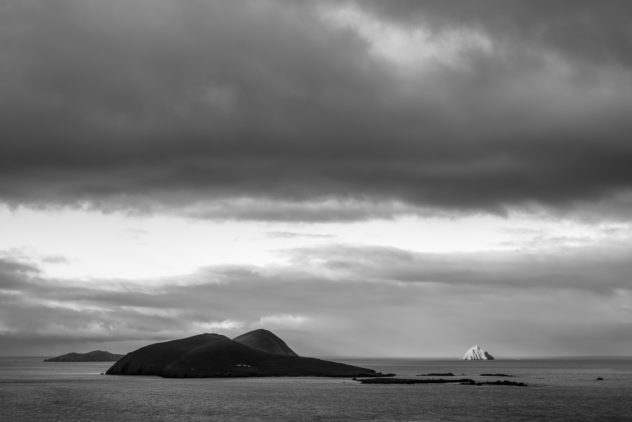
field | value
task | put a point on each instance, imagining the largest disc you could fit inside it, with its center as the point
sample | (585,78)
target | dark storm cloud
(160,105)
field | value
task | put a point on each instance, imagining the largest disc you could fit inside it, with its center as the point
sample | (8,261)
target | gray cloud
(341,300)
(292,235)
(579,29)
(598,269)
(177,105)
(11,272)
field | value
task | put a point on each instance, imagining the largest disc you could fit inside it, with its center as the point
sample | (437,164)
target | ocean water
(559,390)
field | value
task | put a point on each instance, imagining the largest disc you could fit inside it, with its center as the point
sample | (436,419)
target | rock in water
(477,353)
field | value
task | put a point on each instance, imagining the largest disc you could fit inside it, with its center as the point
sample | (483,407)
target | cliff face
(477,353)
(94,356)
(213,355)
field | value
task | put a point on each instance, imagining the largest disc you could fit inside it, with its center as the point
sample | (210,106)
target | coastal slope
(214,355)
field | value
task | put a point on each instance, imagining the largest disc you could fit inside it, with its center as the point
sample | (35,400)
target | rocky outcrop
(461,381)
(477,353)
(413,381)
(94,356)
(437,374)
(214,355)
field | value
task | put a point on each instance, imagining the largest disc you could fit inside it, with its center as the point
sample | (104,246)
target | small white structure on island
(477,353)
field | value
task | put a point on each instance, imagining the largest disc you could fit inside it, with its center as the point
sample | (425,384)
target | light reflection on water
(558,390)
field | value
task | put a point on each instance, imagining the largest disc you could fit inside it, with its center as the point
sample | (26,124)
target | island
(258,353)
(94,356)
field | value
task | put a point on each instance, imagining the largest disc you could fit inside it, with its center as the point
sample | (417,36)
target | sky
(363,178)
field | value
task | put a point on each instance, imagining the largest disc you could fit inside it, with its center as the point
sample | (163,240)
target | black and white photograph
(315,210)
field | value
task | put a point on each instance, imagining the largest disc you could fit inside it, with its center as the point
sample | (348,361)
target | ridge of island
(94,356)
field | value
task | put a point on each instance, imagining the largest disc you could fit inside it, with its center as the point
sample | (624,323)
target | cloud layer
(200,106)
(343,300)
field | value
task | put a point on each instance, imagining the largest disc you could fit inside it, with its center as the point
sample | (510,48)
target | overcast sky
(364,178)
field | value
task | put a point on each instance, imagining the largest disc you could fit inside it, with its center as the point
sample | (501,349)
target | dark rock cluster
(461,381)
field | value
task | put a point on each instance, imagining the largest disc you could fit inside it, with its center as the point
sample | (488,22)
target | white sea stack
(477,353)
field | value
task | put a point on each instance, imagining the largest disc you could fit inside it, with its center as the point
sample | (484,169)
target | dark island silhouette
(94,356)
(258,353)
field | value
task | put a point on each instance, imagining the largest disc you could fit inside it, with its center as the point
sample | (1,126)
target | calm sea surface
(559,390)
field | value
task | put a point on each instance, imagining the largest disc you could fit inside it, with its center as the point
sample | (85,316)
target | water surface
(558,390)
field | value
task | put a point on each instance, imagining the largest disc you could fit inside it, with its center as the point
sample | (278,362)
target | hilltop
(265,341)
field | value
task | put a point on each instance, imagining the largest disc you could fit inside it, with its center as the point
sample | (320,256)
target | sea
(557,390)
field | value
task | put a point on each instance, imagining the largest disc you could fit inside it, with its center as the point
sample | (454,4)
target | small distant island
(259,353)
(94,356)
(477,353)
